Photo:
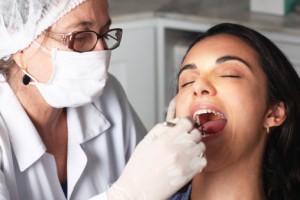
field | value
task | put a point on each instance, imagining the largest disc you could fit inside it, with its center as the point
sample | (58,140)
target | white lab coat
(101,138)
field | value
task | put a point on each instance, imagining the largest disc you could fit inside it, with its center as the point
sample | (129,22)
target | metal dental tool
(172,124)
(203,133)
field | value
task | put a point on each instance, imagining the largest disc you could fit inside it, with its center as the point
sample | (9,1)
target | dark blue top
(183,194)
(64,187)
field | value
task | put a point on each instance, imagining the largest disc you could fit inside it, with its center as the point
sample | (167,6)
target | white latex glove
(163,162)
(171,110)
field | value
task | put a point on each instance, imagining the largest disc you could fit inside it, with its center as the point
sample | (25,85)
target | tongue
(214,126)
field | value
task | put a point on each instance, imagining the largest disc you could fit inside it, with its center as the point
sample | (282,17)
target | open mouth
(209,121)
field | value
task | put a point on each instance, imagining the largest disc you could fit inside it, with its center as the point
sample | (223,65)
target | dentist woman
(67,130)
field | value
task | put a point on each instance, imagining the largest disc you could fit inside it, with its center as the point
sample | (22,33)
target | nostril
(202,92)
(205,92)
(203,87)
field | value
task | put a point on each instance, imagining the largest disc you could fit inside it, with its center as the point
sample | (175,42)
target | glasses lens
(84,41)
(112,38)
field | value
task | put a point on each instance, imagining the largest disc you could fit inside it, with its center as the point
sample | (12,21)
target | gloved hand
(171,110)
(163,162)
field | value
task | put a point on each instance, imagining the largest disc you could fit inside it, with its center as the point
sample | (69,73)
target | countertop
(204,11)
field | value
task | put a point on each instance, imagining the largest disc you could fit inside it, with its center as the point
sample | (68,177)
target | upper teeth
(199,112)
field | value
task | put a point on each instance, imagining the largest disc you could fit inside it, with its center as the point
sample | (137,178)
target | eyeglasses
(83,41)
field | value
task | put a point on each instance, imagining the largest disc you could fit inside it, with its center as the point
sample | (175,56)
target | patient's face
(222,83)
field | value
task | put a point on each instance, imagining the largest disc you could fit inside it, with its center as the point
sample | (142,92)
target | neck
(241,181)
(47,120)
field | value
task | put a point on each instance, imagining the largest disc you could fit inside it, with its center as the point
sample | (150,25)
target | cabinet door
(133,64)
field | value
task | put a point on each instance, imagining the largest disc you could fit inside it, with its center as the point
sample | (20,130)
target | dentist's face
(221,80)
(90,15)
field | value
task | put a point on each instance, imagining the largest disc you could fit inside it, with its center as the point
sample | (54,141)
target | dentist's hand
(163,162)
(171,113)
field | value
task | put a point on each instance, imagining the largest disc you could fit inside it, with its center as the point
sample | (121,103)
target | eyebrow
(224,59)
(220,60)
(88,23)
(187,67)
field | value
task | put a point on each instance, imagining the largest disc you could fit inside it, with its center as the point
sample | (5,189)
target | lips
(209,121)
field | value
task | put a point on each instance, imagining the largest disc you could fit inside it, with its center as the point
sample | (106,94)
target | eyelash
(185,84)
(224,76)
(230,76)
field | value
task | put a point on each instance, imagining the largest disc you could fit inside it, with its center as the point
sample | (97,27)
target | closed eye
(230,76)
(187,83)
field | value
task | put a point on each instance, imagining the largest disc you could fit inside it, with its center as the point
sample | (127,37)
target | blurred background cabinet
(133,63)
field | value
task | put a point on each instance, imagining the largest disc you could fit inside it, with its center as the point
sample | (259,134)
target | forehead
(213,47)
(89,13)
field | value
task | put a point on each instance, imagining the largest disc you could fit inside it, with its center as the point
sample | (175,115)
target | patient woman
(243,94)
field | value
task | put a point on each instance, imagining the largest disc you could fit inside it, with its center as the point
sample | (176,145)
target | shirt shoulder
(183,193)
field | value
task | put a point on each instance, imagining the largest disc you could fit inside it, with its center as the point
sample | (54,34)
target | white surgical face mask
(77,78)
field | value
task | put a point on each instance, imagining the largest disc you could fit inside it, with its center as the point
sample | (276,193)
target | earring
(26,79)
(267,129)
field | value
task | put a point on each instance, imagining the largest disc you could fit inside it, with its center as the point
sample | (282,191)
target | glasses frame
(68,39)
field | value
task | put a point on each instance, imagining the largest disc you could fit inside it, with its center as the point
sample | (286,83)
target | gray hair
(5,64)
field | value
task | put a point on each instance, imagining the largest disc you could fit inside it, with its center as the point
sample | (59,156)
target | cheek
(183,103)
(40,66)
(247,109)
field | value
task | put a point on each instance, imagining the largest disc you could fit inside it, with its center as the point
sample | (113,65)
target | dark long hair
(281,164)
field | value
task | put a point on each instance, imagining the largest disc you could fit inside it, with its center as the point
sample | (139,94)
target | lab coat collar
(86,122)
(25,140)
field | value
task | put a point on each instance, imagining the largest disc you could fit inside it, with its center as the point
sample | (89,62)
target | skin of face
(90,15)
(222,73)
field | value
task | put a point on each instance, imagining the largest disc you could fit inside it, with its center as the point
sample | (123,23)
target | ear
(275,116)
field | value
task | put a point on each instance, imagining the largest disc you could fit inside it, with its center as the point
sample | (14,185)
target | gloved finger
(195,135)
(181,180)
(180,176)
(184,125)
(197,164)
(171,123)
(157,130)
(184,138)
(171,110)
(181,126)
(162,128)
(196,150)
(189,138)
